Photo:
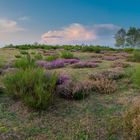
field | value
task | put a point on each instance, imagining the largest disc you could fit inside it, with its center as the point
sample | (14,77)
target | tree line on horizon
(128,38)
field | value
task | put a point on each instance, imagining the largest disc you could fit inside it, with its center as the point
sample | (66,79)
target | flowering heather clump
(110,58)
(63,79)
(71,61)
(85,65)
(59,63)
(120,64)
(124,54)
(71,90)
(51,65)
(95,61)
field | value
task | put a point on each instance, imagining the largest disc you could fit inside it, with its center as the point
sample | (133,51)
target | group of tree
(129,38)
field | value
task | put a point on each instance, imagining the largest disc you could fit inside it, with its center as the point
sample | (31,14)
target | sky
(52,22)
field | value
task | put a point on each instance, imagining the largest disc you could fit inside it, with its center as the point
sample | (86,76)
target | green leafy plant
(23,52)
(136,76)
(66,55)
(18,56)
(33,86)
(135,56)
(51,57)
(25,62)
(38,56)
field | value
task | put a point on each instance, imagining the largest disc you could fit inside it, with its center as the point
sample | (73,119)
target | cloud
(9,26)
(75,33)
(79,34)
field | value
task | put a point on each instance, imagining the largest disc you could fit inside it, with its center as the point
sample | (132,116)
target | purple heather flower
(62,79)
(71,61)
(85,65)
(110,58)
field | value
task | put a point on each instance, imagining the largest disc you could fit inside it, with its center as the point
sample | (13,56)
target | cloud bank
(80,34)
(7,26)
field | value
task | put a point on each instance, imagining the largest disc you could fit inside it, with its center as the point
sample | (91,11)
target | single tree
(133,37)
(120,38)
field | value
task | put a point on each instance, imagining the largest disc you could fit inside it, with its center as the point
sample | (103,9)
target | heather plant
(33,86)
(132,121)
(25,62)
(112,74)
(71,61)
(74,90)
(85,65)
(51,65)
(66,55)
(119,64)
(110,58)
(62,79)
(59,63)
(104,85)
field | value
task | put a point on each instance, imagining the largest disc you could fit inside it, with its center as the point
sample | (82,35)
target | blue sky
(65,21)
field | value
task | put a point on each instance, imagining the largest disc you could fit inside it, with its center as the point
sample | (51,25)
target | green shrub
(25,62)
(92,49)
(66,55)
(38,56)
(18,56)
(34,87)
(129,50)
(135,56)
(51,57)
(136,76)
(24,52)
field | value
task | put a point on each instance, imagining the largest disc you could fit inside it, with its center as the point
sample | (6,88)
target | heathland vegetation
(71,92)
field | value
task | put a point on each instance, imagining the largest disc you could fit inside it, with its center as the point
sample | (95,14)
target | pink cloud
(75,33)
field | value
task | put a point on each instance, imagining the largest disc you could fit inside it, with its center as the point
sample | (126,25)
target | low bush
(72,90)
(135,57)
(38,56)
(18,56)
(33,86)
(104,85)
(119,64)
(92,49)
(51,65)
(66,55)
(132,122)
(25,62)
(129,50)
(85,65)
(110,58)
(111,74)
(51,58)
(24,52)
(136,76)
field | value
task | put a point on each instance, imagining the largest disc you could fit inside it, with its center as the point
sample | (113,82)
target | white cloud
(78,34)
(8,26)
